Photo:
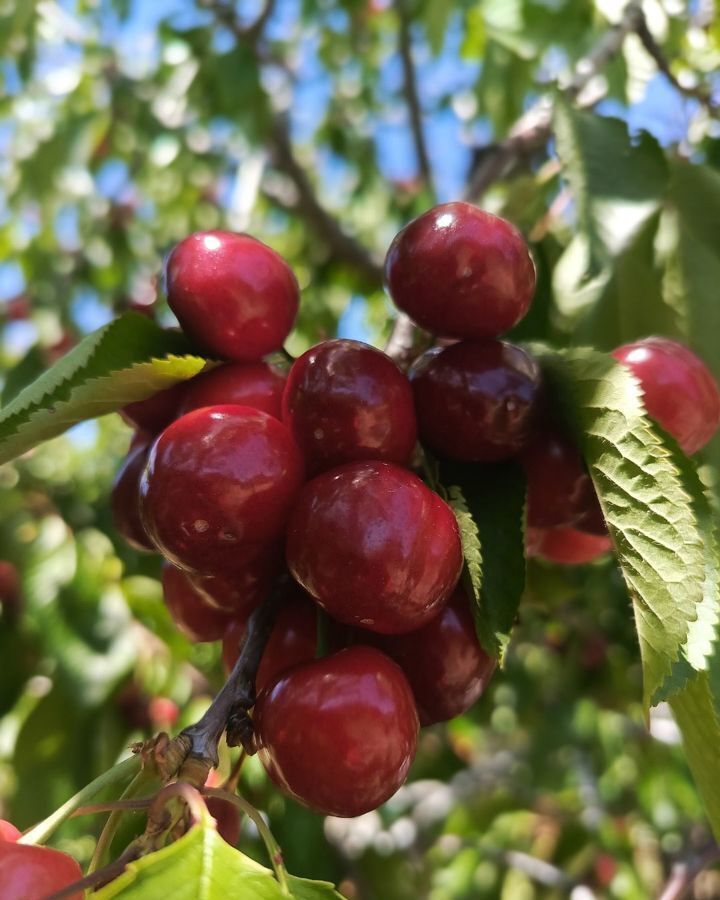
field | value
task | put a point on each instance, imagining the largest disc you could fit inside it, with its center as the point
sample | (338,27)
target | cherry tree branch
(531,131)
(412,96)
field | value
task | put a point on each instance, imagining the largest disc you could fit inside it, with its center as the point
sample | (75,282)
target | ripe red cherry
(374,546)
(476,400)
(567,546)
(233,295)
(679,390)
(192,614)
(443,661)
(8,832)
(125,499)
(155,412)
(461,272)
(560,491)
(345,401)
(32,873)
(248,586)
(339,733)
(257,385)
(218,487)
(293,638)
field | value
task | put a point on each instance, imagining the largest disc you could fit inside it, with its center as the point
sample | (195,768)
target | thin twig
(412,96)
(533,128)
(686,871)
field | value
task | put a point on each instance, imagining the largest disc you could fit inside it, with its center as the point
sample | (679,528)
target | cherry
(476,400)
(32,873)
(233,295)
(443,661)
(461,272)
(293,638)
(679,390)
(192,614)
(566,545)
(163,713)
(8,832)
(255,384)
(247,587)
(346,401)
(374,546)
(560,490)
(155,412)
(227,819)
(125,499)
(339,733)
(218,487)
(9,583)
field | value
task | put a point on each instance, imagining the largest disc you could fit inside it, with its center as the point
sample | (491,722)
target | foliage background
(322,127)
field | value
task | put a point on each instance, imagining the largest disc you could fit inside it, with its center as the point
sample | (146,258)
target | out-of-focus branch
(702,93)
(532,129)
(686,871)
(343,246)
(410,88)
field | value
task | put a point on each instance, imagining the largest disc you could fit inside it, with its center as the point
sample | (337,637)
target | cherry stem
(112,805)
(271,845)
(231,782)
(229,710)
(322,637)
(119,774)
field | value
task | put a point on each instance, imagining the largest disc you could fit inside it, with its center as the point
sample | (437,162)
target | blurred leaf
(129,359)
(202,864)
(489,501)
(646,506)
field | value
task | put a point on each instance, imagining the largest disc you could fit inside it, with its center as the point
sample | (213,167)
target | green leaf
(127,360)
(25,371)
(202,866)
(489,503)
(695,709)
(648,510)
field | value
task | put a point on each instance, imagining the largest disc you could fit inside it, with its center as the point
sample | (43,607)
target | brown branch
(686,871)
(533,128)
(702,93)
(412,97)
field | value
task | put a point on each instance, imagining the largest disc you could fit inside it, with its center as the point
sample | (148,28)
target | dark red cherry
(190,611)
(248,586)
(567,546)
(443,661)
(227,819)
(374,546)
(560,490)
(155,412)
(293,638)
(28,872)
(339,733)
(125,498)
(476,400)
(233,296)
(9,583)
(679,390)
(8,832)
(461,272)
(346,401)
(254,384)
(218,487)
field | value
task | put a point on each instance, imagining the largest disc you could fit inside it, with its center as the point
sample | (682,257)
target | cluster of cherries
(247,476)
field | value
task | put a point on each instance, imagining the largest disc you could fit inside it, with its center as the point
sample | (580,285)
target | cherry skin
(32,873)
(255,384)
(293,638)
(679,390)
(155,412)
(346,401)
(218,488)
(339,733)
(374,546)
(461,272)
(8,832)
(443,661)
(566,546)
(476,401)
(192,614)
(125,498)
(246,589)
(560,491)
(233,296)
